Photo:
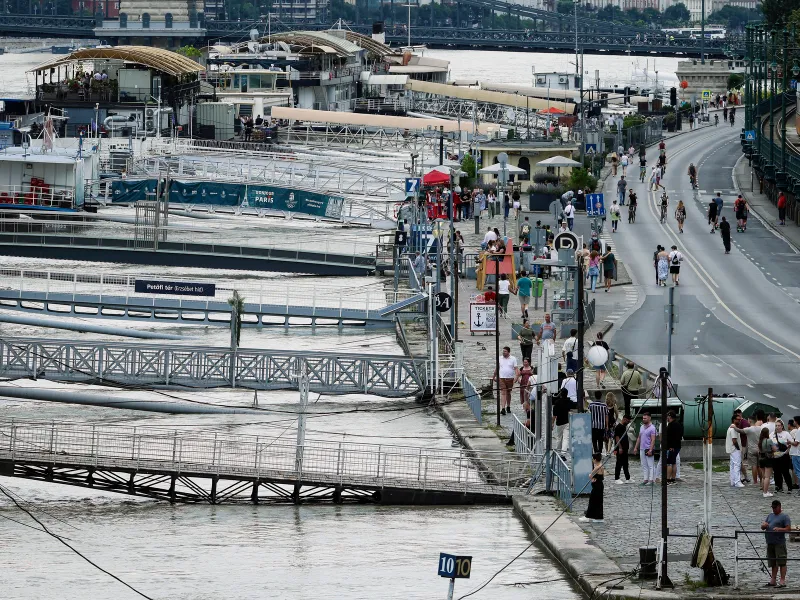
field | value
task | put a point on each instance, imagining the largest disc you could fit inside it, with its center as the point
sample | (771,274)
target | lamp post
(783,100)
(773,69)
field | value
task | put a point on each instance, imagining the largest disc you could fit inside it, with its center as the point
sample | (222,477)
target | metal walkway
(195,467)
(113,296)
(146,365)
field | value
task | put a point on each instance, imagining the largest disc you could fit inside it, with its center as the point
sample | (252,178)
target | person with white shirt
(733,446)
(794,448)
(570,351)
(569,213)
(503,293)
(508,375)
(571,385)
(490,236)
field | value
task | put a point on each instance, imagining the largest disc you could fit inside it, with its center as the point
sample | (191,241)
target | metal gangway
(145,365)
(114,296)
(184,466)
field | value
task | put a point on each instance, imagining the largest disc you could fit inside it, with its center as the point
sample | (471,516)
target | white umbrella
(558,161)
(446,170)
(497,168)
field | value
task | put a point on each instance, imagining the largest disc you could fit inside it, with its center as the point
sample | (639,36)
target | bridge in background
(554,32)
(145,365)
(182,466)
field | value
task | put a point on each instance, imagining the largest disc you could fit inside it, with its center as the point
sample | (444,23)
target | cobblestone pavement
(633,519)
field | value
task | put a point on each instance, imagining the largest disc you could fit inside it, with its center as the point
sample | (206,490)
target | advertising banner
(131,190)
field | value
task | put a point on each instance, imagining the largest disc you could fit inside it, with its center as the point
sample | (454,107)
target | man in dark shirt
(599,413)
(672,442)
(622,445)
(561,420)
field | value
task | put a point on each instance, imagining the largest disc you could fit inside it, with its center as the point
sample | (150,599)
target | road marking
(750,385)
(704,356)
(702,323)
(698,331)
(694,339)
(792,406)
(769,396)
(733,375)
(718,364)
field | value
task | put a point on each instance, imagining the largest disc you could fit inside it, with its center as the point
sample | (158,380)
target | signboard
(444,302)
(591,148)
(566,241)
(454,567)
(705,95)
(595,205)
(481,318)
(412,185)
(175,288)
(750,135)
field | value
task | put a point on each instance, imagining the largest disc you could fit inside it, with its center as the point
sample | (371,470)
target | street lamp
(795,69)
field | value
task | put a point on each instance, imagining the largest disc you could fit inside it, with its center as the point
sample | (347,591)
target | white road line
(708,315)
(718,364)
(704,356)
(733,375)
(792,406)
(750,385)
(698,331)
(702,323)
(769,395)
(694,339)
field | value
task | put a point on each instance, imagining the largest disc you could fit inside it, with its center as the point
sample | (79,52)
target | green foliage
(189,51)
(632,121)
(734,18)
(470,168)
(677,14)
(777,12)
(565,7)
(581,179)
(735,81)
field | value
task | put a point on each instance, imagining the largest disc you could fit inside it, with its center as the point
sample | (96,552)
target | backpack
(676,258)
(526,230)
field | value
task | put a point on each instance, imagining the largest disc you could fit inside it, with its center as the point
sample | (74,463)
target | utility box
(219,115)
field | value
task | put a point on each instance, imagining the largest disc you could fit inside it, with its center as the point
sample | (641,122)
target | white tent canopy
(558,161)
(497,168)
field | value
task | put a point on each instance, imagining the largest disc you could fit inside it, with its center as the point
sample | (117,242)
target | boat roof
(327,43)
(159,59)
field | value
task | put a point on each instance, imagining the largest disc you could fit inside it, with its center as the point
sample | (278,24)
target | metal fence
(319,461)
(562,478)
(473,398)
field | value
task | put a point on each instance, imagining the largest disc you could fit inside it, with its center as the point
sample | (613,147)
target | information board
(482,318)
(175,288)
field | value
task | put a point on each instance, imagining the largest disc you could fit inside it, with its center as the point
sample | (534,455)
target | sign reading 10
(454,567)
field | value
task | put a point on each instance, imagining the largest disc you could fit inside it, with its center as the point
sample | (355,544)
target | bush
(550,178)
(581,179)
(469,167)
(546,188)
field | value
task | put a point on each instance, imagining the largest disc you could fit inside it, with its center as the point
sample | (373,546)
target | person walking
(663,266)
(621,187)
(644,446)
(622,445)
(718,200)
(712,215)
(680,215)
(547,331)
(609,267)
(599,414)
(766,448)
(655,262)
(569,214)
(570,350)
(673,438)
(508,376)
(630,383)
(733,446)
(781,463)
(524,288)
(725,233)
(594,269)
(600,371)
(527,379)
(751,433)
(675,260)
(616,215)
(561,408)
(614,162)
(775,526)
(611,407)
(503,293)
(782,208)
(624,162)
(570,384)
(594,512)
(525,338)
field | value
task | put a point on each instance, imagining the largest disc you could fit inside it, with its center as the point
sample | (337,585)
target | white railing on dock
(322,462)
(38,195)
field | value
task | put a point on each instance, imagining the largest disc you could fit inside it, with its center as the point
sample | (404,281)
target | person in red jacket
(782,208)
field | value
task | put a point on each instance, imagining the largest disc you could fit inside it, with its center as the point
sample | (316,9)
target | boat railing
(42,194)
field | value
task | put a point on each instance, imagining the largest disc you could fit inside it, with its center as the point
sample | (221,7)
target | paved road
(738,313)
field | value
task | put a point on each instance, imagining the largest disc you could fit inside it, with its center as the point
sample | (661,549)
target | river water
(350,552)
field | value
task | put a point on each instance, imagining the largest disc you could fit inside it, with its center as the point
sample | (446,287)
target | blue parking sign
(412,185)
(595,205)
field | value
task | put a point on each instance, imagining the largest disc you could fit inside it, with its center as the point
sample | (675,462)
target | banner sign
(481,318)
(176,288)
(234,195)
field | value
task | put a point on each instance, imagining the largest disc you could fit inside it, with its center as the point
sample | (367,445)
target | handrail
(562,476)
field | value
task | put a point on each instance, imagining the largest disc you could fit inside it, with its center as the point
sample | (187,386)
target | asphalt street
(738,313)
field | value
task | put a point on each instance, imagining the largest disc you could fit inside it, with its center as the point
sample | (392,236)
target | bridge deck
(208,367)
(190,467)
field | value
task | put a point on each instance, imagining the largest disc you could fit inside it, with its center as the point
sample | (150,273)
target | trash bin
(538,287)
(647,562)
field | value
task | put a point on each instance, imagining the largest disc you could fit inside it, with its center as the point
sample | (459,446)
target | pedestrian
(600,371)
(781,463)
(655,262)
(569,213)
(782,208)
(624,162)
(766,448)
(663,266)
(570,350)
(622,445)
(609,267)
(570,384)
(725,233)
(599,414)
(718,200)
(515,203)
(614,162)
(630,383)
(751,432)
(524,288)
(673,438)
(527,379)
(580,198)
(489,237)
(653,180)
(733,446)
(775,526)
(594,269)
(611,407)
(547,331)
(680,215)
(644,446)
(508,376)
(525,337)
(561,408)
(675,260)
(621,187)
(503,293)
(744,424)
(725,113)
(594,512)
(616,215)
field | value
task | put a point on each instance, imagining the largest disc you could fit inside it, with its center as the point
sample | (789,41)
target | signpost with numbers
(454,567)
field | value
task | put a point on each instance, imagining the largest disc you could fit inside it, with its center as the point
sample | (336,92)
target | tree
(565,7)
(734,17)
(735,81)
(776,12)
(677,14)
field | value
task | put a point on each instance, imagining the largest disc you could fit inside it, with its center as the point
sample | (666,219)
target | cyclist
(664,205)
(642,168)
(632,203)
(693,175)
(662,162)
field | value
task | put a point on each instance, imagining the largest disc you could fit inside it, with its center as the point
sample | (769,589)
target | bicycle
(642,173)
(663,213)
(631,213)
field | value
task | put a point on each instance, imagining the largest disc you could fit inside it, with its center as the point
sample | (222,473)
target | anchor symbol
(477,322)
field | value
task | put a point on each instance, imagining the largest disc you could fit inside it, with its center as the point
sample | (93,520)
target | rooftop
(162,60)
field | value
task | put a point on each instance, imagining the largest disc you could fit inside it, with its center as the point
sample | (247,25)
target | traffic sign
(444,302)
(750,135)
(454,567)
(412,185)
(565,241)
(591,148)
(705,95)
(595,205)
